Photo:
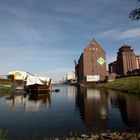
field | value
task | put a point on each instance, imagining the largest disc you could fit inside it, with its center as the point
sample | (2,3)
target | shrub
(10,77)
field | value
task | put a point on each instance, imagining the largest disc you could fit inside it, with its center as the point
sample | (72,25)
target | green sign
(101,61)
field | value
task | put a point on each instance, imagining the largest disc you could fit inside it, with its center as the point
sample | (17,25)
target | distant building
(138,61)
(91,64)
(126,61)
(71,76)
(112,67)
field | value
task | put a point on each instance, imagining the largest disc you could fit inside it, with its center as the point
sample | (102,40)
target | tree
(135,14)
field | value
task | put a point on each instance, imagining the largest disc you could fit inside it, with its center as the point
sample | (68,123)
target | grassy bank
(6,91)
(129,84)
(6,86)
(9,83)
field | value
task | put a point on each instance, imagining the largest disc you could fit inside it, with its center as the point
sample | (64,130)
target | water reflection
(129,108)
(70,110)
(71,92)
(93,106)
(103,109)
(29,103)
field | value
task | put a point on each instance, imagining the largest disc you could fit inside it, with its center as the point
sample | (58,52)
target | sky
(44,37)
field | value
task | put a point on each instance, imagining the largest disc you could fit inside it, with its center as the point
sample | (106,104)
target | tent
(32,80)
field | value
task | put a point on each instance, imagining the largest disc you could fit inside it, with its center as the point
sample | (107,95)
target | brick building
(126,61)
(92,62)
(113,67)
(138,61)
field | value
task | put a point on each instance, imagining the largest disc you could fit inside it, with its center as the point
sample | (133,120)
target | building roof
(125,47)
(114,62)
(137,55)
(93,42)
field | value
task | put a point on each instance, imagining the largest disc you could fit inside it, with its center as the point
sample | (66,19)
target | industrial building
(138,61)
(113,67)
(127,62)
(70,78)
(91,65)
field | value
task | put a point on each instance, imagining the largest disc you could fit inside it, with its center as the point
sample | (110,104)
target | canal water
(70,111)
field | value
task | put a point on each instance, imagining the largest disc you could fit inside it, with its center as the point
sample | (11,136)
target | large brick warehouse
(92,62)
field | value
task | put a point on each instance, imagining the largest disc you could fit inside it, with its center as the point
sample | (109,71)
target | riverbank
(129,84)
(6,86)
(118,135)
(107,136)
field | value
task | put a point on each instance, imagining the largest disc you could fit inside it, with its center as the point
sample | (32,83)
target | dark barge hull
(37,89)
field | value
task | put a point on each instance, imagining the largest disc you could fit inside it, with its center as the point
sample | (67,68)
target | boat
(35,84)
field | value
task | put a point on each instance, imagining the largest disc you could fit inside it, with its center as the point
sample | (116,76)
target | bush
(10,77)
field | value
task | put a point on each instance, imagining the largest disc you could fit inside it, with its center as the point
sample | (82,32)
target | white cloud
(132,33)
(118,34)
(109,34)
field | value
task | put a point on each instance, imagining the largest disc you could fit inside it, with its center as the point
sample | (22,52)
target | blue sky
(46,36)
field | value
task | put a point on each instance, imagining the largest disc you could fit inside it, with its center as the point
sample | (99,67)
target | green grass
(6,91)
(7,83)
(3,134)
(129,84)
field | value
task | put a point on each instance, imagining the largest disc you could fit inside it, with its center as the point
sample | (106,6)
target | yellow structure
(18,75)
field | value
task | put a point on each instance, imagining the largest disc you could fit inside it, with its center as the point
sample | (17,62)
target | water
(69,111)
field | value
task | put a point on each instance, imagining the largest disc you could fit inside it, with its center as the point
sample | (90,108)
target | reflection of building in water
(71,92)
(129,108)
(93,106)
(30,102)
(113,99)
